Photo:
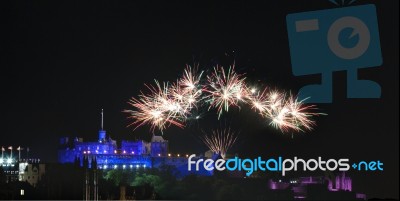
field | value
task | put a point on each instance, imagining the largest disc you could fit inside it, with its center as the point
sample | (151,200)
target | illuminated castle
(105,154)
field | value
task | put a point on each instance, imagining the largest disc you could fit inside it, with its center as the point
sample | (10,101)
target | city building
(329,187)
(20,169)
(31,172)
(10,169)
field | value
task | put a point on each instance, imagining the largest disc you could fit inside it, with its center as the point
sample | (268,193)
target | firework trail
(176,103)
(220,141)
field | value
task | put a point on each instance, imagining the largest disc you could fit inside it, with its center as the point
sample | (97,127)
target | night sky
(63,61)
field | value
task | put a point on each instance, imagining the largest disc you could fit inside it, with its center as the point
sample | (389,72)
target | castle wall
(131,155)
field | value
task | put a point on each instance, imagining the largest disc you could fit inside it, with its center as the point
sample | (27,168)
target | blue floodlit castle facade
(106,154)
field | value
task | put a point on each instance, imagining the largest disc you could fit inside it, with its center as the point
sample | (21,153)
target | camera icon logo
(339,39)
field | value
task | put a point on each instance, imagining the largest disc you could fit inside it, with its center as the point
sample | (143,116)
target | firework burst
(225,89)
(178,102)
(190,81)
(188,89)
(260,101)
(220,141)
(156,109)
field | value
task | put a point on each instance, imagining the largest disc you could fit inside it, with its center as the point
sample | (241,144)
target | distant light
(144,165)
(169,154)
(124,166)
(97,151)
(159,155)
(105,151)
(115,151)
(137,166)
(115,166)
(105,166)
(187,155)
(1,160)
(178,155)
(22,192)
(88,152)
(9,160)
(131,166)
(253,90)
(84,152)
(133,152)
(124,152)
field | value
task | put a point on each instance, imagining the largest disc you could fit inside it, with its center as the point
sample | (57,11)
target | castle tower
(102,132)
(159,146)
